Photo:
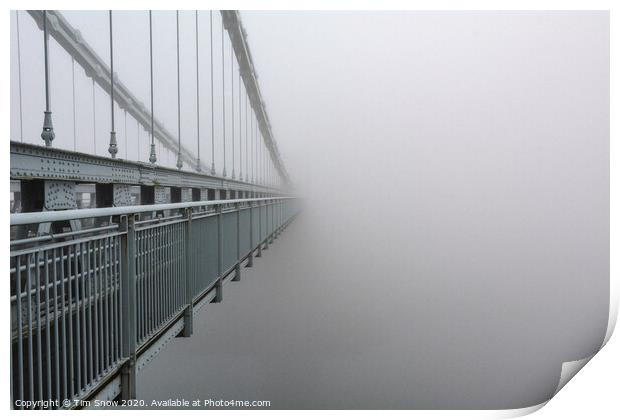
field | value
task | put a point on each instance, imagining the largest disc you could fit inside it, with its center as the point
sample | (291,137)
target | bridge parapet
(91,307)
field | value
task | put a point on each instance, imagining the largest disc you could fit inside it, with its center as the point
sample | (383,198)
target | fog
(453,250)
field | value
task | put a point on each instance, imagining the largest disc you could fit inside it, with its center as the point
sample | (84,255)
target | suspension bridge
(121,235)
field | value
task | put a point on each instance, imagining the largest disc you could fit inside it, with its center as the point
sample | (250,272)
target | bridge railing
(86,304)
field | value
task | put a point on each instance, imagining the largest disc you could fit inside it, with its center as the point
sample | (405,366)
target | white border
(603,380)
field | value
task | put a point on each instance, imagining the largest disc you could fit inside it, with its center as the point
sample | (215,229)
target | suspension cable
(126,144)
(232,106)
(48,130)
(258,154)
(252,155)
(240,133)
(198,168)
(19,72)
(113,149)
(223,102)
(94,121)
(73,100)
(246,136)
(138,137)
(179,161)
(153,154)
(256,149)
(211,74)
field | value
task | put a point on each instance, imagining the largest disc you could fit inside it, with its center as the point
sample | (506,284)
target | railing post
(188,313)
(238,265)
(128,307)
(260,230)
(279,218)
(251,256)
(267,233)
(273,220)
(220,255)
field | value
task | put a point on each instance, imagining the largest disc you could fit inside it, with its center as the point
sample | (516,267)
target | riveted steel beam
(30,161)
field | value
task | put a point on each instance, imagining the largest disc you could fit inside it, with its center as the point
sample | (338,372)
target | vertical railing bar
(102,337)
(71,383)
(153,281)
(142,279)
(101,289)
(166,253)
(56,327)
(144,285)
(95,298)
(38,318)
(30,345)
(103,365)
(143,268)
(89,329)
(162,280)
(138,289)
(20,329)
(143,239)
(148,258)
(184,257)
(84,337)
(99,312)
(183,269)
(48,355)
(110,291)
(106,301)
(177,269)
(178,285)
(78,343)
(177,280)
(119,320)
(173,274)
(113,309)
(114,301)
(181,279)
(180,269)
(167,288)
(154,271)
(160,275)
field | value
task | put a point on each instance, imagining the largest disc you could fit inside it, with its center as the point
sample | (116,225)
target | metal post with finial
(198,166)
(48,129)
(153,154)
(113,148)
(179,160)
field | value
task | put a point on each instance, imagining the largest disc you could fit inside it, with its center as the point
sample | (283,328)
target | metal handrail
(59,215)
